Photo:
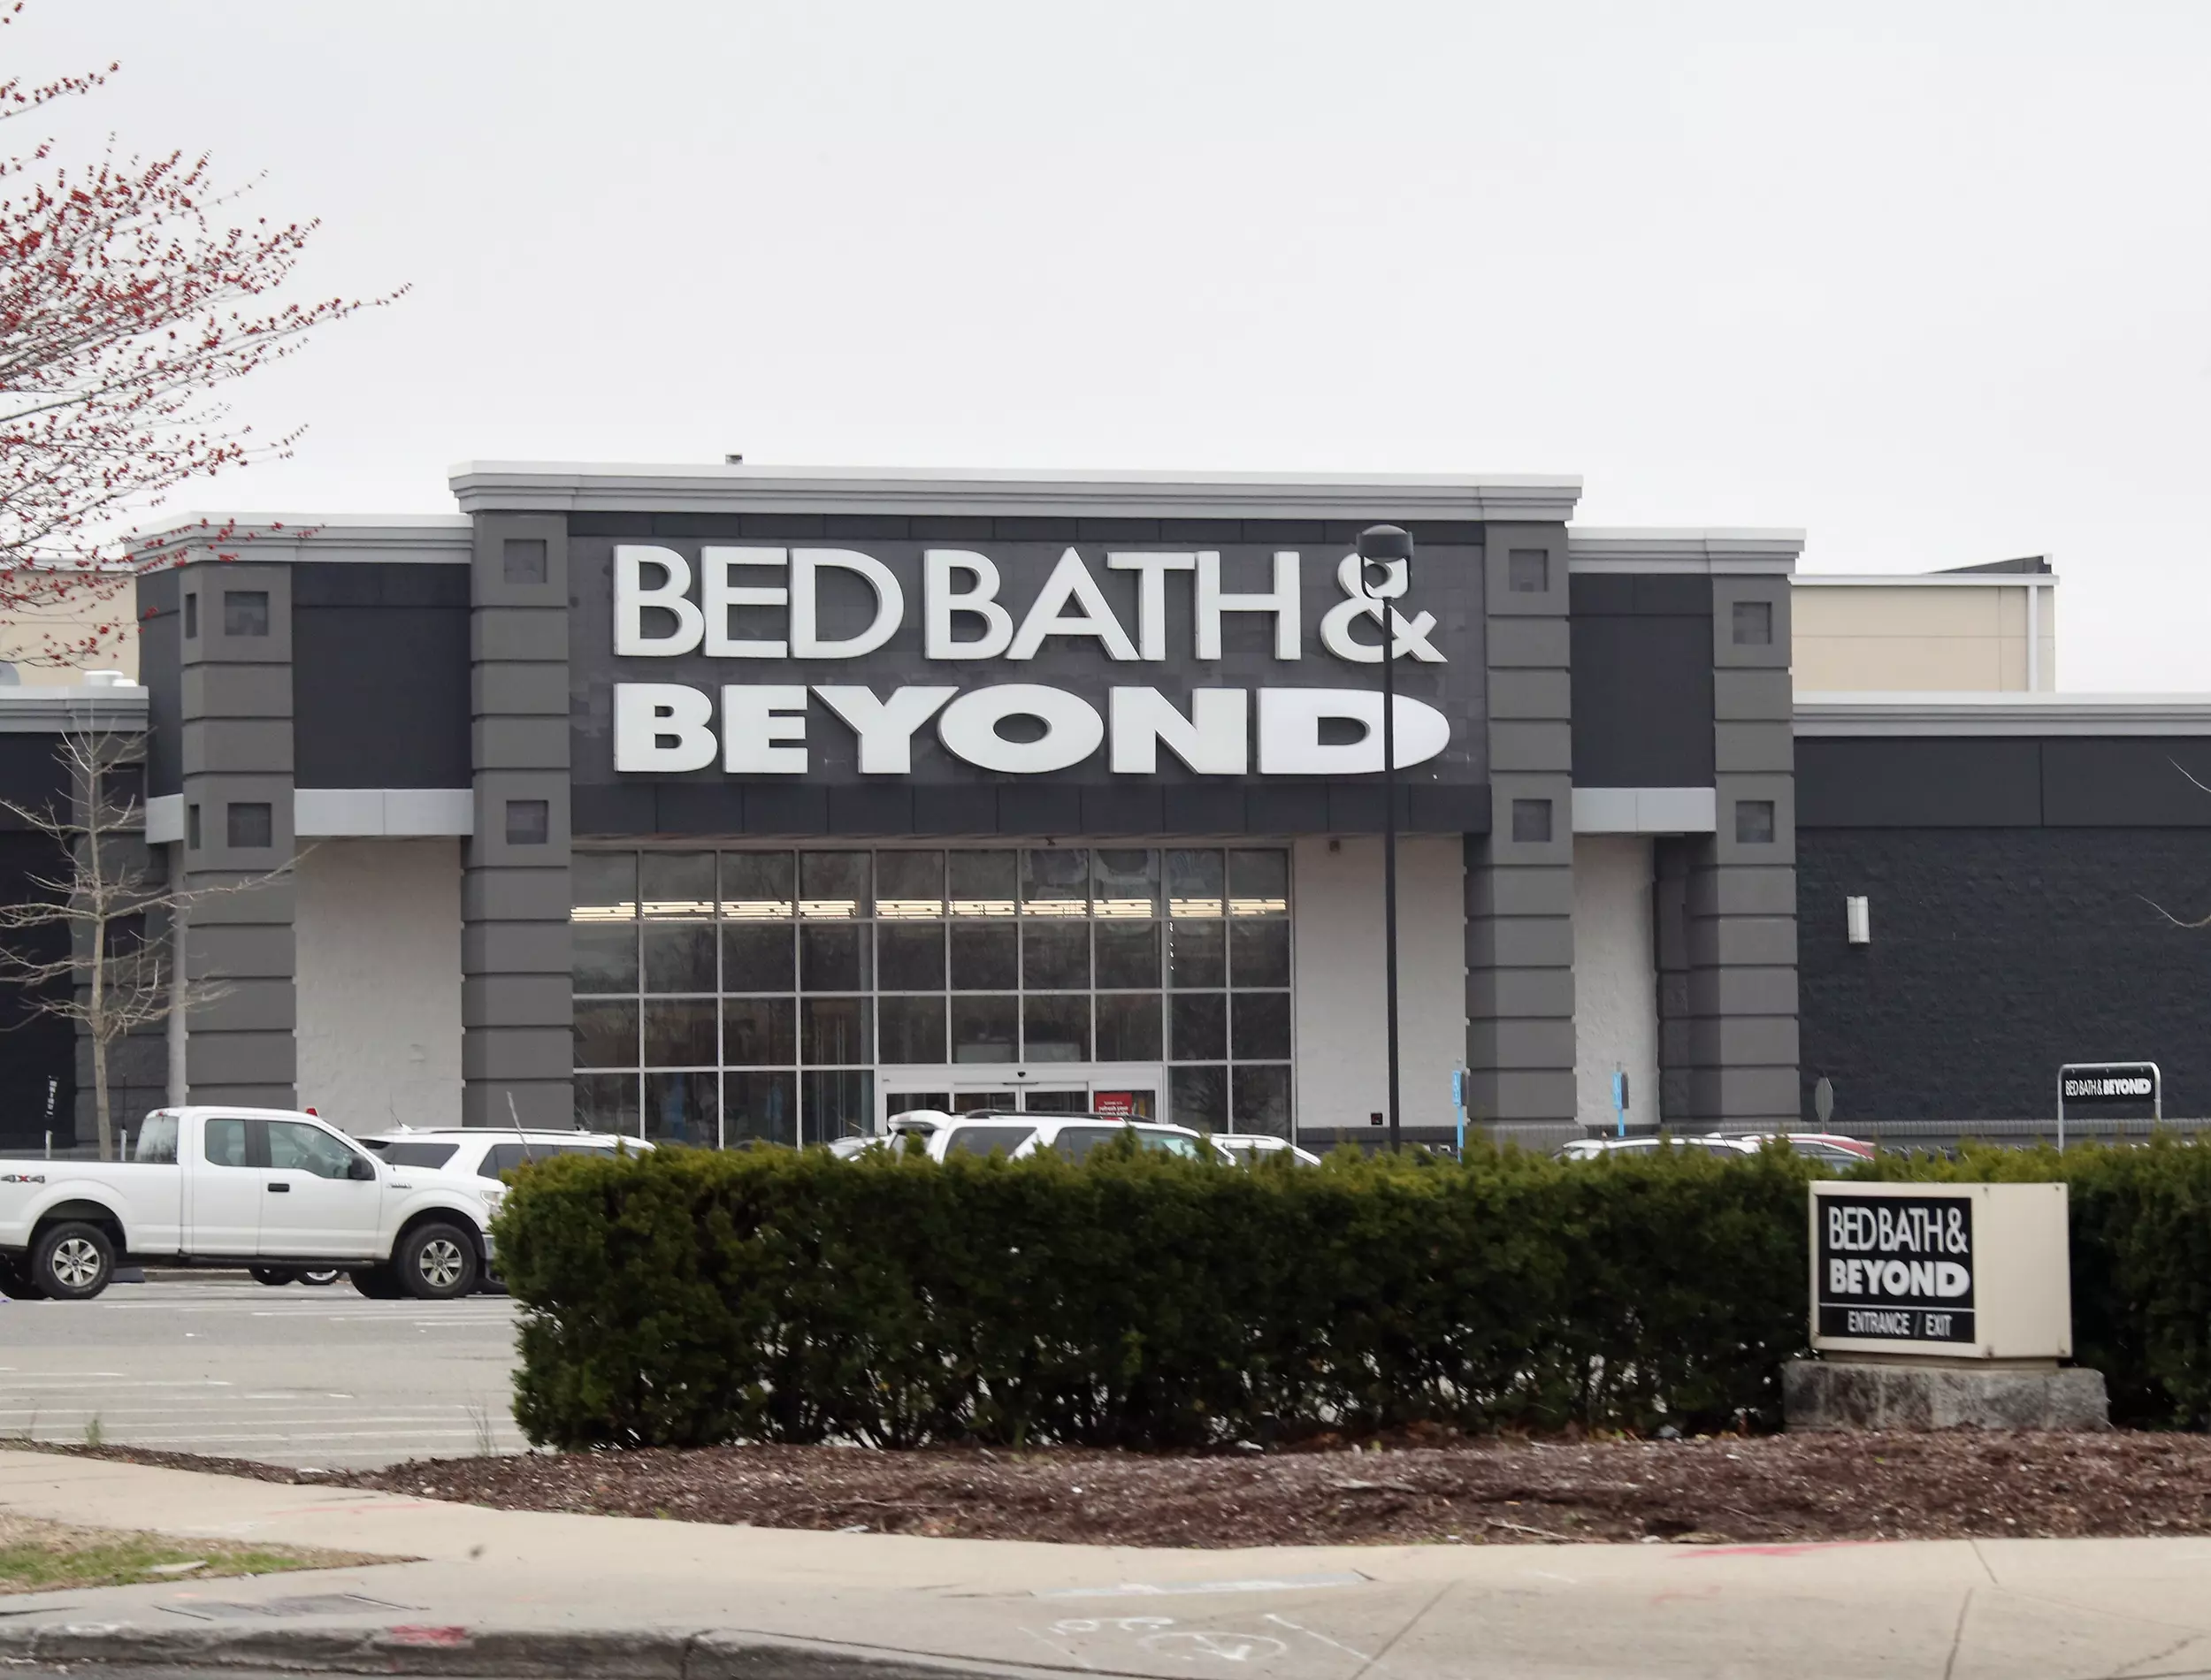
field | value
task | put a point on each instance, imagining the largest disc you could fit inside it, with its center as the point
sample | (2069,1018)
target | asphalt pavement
(302,1376)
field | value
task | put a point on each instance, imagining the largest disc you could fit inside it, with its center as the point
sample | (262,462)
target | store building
(734,803)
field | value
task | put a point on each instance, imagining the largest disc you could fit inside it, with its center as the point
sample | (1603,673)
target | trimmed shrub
(2141,1262)
(681,1298)
(1138,1299)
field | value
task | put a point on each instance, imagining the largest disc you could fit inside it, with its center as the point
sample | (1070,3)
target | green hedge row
(2141,1257)
(681,1298)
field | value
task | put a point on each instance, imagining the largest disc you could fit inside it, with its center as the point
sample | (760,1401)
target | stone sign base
(1842,1393)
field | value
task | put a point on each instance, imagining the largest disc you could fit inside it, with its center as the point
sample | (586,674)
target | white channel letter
(885,727)
(1408,636)
(1212,740)
(969,728)
(662,727)
(1048,614)
(631,597)
(1289,731)
(755,717)
(1152,570)
(718,595)
(940,601)
(806,565)
(1281,601)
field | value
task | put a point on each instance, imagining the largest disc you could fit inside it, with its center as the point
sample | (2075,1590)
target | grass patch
(40,1556)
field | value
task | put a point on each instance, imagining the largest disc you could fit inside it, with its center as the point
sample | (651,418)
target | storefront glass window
(754,995)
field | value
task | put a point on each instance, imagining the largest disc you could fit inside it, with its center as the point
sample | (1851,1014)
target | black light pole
(1381,545)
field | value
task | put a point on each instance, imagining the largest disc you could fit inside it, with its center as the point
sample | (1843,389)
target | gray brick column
(515,1017)
(1672,857)
(1740,898)
(1519,876)
(236,781)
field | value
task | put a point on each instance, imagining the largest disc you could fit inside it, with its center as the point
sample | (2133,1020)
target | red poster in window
(1121,1104)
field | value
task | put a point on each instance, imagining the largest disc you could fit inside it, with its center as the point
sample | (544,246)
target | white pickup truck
(240,1186)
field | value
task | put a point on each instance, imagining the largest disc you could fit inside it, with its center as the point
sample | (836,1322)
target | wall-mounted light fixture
(1858,920)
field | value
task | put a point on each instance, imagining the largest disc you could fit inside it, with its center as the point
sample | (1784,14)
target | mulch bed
(1782,1489)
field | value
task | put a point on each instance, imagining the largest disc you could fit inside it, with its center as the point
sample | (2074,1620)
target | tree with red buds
(129,299)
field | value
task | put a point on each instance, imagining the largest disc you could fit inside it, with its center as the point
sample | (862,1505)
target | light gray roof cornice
(1927,580)
(503,486)
(1992,714)
(1596,549)
(441,538)
(56,710)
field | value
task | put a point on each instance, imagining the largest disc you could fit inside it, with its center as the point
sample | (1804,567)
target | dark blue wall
(2015,889)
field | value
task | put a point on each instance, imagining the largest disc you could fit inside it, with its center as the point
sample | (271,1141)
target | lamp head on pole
(1384,547)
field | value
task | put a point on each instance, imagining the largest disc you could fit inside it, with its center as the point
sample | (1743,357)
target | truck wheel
(377,1283)
(275,1277)
(319,1276)
(73,1262)
(436,1263)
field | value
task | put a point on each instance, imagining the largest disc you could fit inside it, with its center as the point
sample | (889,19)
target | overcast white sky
(1928,280)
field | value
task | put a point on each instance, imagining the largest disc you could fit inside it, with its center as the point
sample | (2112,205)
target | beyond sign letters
(662,609)
(1897,1268)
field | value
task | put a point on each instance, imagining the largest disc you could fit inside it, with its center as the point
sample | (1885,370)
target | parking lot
(307,1378)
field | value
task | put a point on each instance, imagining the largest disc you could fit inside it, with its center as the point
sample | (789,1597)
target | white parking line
(70,1378)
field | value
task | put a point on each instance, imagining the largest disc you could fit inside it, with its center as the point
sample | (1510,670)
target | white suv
(488,1152)
(994,1132)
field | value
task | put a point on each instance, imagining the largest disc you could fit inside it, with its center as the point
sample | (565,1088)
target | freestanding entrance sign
(1934,1305)
(1955,1270)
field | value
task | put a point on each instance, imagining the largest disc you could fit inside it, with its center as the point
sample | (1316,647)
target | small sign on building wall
(1961,1272)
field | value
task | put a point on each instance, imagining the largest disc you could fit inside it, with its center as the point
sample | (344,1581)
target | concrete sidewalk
(520,1592)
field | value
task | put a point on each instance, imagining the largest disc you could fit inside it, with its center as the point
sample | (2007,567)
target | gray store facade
(722,804)
(741,803)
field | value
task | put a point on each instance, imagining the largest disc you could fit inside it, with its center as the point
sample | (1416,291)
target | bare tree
(2201,921)
(102,896)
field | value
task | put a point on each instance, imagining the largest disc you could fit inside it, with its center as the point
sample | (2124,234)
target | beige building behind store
(1983,630)
(28,633)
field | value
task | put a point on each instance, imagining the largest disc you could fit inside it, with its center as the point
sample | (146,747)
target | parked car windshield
(405,1154)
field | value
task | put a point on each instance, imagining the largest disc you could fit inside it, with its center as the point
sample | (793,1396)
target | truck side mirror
(362,1168)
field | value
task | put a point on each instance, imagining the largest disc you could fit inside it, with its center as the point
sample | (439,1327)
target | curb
(644,1654)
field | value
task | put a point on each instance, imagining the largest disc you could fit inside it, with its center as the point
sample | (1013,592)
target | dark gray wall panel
(380,676)
(620,811)
(1039,805)
(160,669)
(1643,695)
(31,774)
(886,810)
(1981,783)
(34,1046)
(2091,783)
(1997,954)
(785,810)
(1125,810)
(690,808)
